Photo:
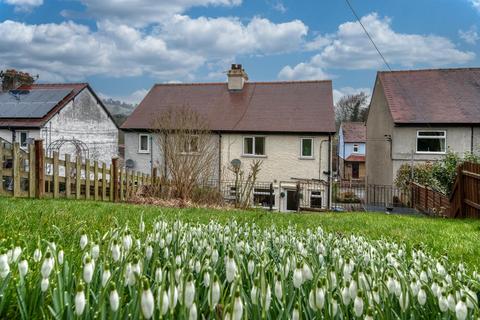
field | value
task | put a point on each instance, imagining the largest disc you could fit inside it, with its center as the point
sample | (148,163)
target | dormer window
(355,148)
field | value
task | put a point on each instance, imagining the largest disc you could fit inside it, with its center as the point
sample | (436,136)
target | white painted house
(288,125)
(70,118)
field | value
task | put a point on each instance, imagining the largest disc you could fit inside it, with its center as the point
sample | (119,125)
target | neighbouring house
(288,125)
(351,150)
(69,117)
(416,116)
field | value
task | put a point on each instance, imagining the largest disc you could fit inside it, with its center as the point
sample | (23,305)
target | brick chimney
(236,77)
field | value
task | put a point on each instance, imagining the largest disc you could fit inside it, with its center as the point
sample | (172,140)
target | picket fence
(28,172)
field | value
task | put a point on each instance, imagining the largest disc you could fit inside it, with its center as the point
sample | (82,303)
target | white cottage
(288,125)
(70,118)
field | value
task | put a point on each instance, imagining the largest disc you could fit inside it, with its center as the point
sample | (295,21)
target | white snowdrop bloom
(307,272)
(440,269)
(422,297)
(37,255)
(268,298)
(17,251)
(114,299)
(79,301)
(214,292)
(168,238)
(434,288)
(398,288)
(206,279)
(127,241)
(172,296)
(148,252)
(115,251)
(319,297)
(147,302)
(83,241)
(178,260)
(189,292)
(451,302)
(391,285)
(403,301)
(423,276)
(346,295)
(106,274)
(472,299)
(231,267)
(333,279)
(358,305)
(47,265)
(461,310)
(278,289)
(141,226)
(376,295)
(296,313)
(297,277)
(237,307)
(214,256)
(415,287)
(4,266)
(44,284)
(352,289)
(163,301)
(250,267)
(311,300)
(95,251)
(129,275)
(198,267)
(254,294)
(161,243)
(23,268)
(88,269)
(192,312)
(178,273)
(443,303)
(60,257)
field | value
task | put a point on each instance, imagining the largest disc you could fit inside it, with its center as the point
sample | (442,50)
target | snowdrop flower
(60,256)
(115,251)
(141,226)
(298,276)
(178,260)
(442,303)
(250,266)
(79,300)
(461,310)
(114,298)
(198,267)
(147,302)
(333,279)
(163,301)
(358,304)
(237,307)
(214,256)
(106,274)
(168,238)
(214,292)
(334,307)
(307,272)
(172,296)
(17,251)
(37,255)
(254,292)
(268,298)
(319,296)
(83,241)
(95,251)
(189,292)
(278,288)
(296,313)
(206,279)
(4,266)
(311,300)
(88,270)
(44,284)
(47,265)
(451,302)
(127,241)
(376,295)
(346,294)
(231,267)
(422,296)
(23,268)
(352,289)
(192,313)
(403,301)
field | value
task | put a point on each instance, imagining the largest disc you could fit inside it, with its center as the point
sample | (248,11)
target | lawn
(51,219)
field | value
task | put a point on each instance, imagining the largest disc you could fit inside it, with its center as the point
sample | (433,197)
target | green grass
(459,239)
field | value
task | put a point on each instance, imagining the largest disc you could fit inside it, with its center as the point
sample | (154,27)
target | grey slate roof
(30,104)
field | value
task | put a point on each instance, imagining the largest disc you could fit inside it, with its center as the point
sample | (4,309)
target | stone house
(351,150)
(69,117)
(288,125)
(416,116)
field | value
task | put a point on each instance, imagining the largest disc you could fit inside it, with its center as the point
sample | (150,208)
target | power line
(368,35)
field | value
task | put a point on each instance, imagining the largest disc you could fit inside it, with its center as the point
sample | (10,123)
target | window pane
(23,139)
(194,144)
(144,143)
(306,147)
(248,146)
(259,146)
(431,133)
(430,145)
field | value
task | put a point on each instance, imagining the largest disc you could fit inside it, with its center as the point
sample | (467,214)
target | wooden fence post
(68,176)
(31,170)
(270,200)
(87,179)
(78,177)
(55,175)
(104,181)
(115,179)
(461,191)
(39,169)
(16,169)
(95,180)
(112,184)
(1,167)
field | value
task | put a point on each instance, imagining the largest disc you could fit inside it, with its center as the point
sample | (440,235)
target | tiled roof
(295,106)
(354,131)
(436,96)
(355,158)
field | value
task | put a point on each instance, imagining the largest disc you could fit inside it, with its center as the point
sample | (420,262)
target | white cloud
(349,48)
(470,36)
(133,98)
(303,71)
(143,12)
(344,91)
(475,4)
(24,5)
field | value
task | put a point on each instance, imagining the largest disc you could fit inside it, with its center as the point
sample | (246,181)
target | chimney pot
(236,77)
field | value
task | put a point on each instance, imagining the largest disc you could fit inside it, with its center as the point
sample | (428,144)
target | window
(190,144)
(144,143)
(316,199)
(23,137)
(355,148)
(254,146)
(261,197)
(431,141)
(306,148)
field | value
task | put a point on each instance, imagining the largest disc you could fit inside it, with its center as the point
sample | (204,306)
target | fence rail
(29,173)
(430,201)
(465,197)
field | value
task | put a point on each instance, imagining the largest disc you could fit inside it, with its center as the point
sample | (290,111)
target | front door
(292,200)
(355,170)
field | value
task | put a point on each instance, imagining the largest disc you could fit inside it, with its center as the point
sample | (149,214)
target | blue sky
(123,47)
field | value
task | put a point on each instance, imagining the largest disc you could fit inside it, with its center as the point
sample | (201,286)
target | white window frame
(140,135)
(253,147)
(189,151)
(431,137)
(301,148)
(356,146)
(19,137)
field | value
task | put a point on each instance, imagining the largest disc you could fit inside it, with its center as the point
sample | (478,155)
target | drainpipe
(151,155)
(219,160)
(329,170)
(471,140)
(329,165)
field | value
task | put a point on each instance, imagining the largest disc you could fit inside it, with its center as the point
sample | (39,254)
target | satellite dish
(129,163)
(236,163)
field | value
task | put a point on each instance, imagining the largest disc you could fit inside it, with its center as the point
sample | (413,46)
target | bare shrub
(244,183)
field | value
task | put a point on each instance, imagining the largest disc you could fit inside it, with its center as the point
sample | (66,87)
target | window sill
(143,152)
(306,158)
(427,152)
(253,156)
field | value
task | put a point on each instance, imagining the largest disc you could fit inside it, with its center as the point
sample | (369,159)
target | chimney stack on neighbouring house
(236,77)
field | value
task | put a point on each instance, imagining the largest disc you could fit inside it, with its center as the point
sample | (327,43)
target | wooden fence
(29,173)
(463,202)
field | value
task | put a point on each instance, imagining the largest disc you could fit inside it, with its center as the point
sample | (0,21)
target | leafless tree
(352,108)
(244,183)
(189,150)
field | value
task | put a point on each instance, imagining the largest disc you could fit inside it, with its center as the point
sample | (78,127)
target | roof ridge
(429,69)
(255,82)
(60,84)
